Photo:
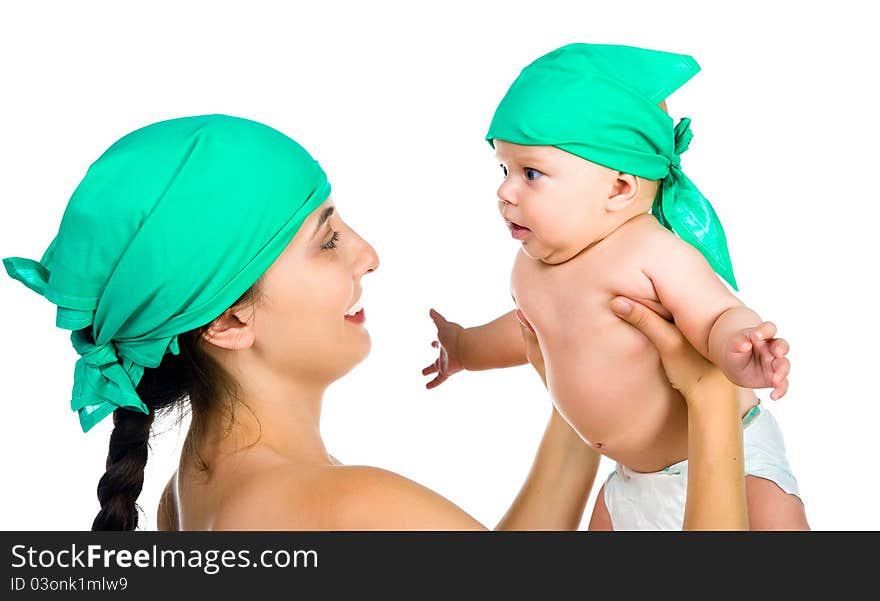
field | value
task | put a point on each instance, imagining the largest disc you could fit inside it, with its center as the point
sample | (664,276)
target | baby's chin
(551,256)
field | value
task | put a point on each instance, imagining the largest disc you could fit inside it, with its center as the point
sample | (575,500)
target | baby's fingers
(779,347)
(780,390)
(431,369)
(436,381)
(765,331)
(762,350)
(435,366)
(740,343)
(438,319)
(781,367)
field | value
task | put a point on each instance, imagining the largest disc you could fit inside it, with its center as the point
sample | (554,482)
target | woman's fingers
(660,332)
(684,366)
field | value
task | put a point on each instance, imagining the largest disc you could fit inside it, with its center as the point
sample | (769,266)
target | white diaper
(655,501)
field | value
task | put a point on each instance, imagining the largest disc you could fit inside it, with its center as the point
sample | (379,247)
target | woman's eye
(503,170)
(331,243)
(532,174)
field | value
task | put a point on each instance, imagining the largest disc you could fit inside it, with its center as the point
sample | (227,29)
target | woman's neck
(274,414)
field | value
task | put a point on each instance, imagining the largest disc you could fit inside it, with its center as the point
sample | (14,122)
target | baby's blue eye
(532,174)
(504,170)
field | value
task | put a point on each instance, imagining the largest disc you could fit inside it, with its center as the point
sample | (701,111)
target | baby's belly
(615,394)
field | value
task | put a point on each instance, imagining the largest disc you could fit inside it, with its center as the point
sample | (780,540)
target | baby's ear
(624,192)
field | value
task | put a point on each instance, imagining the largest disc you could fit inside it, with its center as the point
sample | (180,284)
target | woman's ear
(232,330)
(624,192)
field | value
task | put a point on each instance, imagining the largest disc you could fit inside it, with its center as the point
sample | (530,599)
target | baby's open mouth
(518,231)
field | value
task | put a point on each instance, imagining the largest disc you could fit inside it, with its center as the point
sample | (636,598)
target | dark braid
(121,484)
(190,376)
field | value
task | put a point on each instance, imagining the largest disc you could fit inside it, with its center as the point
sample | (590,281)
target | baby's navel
(598,445)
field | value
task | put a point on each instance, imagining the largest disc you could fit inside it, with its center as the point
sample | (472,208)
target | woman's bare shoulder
(166,515)
(337,497)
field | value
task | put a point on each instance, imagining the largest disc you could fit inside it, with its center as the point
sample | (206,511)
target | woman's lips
(359,317)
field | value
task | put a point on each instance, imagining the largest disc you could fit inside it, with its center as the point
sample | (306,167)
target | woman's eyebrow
(325,215)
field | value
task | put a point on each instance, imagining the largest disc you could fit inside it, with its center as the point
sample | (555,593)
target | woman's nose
(368,259)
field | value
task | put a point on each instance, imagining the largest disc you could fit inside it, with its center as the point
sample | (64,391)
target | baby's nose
(505,193)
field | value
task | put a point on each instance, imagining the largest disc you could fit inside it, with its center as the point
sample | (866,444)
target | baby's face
(553,201)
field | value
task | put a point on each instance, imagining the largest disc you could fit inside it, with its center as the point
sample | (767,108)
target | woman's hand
(716,490)
(686,369)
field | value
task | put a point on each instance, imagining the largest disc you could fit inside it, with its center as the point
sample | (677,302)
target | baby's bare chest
(573,298)
(603,374)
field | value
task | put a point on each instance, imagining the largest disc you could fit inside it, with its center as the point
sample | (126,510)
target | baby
(587,149)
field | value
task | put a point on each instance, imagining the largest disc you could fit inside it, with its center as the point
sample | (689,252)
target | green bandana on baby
(600,102)
(169,227)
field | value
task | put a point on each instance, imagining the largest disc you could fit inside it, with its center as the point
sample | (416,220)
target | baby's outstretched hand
(449,360)
(753,358)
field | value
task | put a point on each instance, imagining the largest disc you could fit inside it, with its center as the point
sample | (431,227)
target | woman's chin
(359,353)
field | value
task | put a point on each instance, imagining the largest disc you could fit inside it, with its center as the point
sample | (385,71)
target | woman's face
(300,324)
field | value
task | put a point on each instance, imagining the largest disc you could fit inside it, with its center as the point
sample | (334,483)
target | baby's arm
(713,320)
(493,345)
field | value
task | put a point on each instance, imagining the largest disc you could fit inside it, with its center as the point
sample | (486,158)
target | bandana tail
(682,209)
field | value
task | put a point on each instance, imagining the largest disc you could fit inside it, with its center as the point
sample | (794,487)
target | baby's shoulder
(647,243)
(645,234)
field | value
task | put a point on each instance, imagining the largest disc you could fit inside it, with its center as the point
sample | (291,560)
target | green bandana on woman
(169,227)
(600,102)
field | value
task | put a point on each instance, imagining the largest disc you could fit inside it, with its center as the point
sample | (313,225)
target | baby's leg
(601,519)
(771,508)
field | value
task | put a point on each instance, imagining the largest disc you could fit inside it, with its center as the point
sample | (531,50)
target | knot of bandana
(102,382)
(681,208)
(683,136)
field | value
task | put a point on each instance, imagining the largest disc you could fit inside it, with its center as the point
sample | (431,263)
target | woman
(250,323)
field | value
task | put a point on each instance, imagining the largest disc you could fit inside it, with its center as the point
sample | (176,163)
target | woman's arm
(716,493)
(555,493)
(716,488)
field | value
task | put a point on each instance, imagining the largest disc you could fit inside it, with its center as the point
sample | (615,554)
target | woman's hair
(190,376)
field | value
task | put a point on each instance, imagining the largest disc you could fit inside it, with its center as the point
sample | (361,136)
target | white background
(394,101)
